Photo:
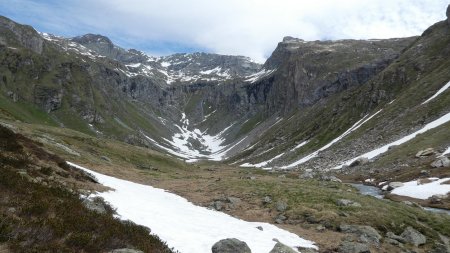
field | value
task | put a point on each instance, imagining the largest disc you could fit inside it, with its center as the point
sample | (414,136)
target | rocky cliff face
(305,91)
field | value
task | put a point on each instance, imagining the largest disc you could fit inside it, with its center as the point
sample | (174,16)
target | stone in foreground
(230,245)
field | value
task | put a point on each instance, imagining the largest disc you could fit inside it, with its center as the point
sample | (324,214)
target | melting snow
(187,227)
(423,191)
(357,125)
(438,93)
(300,145)
(442,120)
(262,73)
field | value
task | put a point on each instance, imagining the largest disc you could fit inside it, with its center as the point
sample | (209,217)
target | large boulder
(281,248)
(425,152)
(353,247)
(230,245)
(413,236)
(366,233)
(441,162)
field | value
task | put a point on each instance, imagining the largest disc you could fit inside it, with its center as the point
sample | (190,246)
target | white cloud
(245,27)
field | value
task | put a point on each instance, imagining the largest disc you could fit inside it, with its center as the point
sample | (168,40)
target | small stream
(378,193)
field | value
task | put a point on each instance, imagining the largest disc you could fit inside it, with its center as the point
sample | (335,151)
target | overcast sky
(244,27)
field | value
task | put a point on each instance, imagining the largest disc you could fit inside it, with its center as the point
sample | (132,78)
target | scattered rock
(280,219)
(233,201)
(413,236)
(347,202)
(281,248)
(126,251)
(353,247)
(330,178)
(393,185)
(441,162)
(230,245)
(105,158)
(251,177)
(359,161)
(365,233)
(425,173)
(281,206)
(307,250)
(395,237)
(438,198)
(217,205)
(267,200)
(95,204)
(425,152)
(260,228)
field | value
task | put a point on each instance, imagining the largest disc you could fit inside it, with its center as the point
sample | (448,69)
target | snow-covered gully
(184,226)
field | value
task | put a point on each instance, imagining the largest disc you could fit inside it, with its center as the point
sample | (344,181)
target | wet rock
(365,233)
(413,236)
(425,152)
(230,245)
(359,161)
(347,202)
(353,247)
(441,162)
(281,248)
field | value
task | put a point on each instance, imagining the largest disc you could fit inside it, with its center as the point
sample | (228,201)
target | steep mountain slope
(286,112)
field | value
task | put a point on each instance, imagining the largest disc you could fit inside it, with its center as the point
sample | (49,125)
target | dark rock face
(448,14)
(25,35)
(231,245)
(48,98)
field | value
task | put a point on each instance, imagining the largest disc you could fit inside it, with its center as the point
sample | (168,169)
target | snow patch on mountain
(184,226)
(376,152)
(415,189)
(444,88)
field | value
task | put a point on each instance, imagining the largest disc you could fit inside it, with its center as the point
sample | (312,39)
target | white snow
(438,93)
(355,126)
(423,191)
(165,64)
(184,226)
(371,154)
(447,151)
(262,164)
(262,73)
(300,145)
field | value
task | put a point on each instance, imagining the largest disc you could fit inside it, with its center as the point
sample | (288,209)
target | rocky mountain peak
(92,38)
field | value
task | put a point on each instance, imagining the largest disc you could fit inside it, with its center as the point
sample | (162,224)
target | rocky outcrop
(413,236)
(425,152)
(366,234)
(281,248)
(25,35)
(353,247)
(442,161)
(231,245)
(48,98)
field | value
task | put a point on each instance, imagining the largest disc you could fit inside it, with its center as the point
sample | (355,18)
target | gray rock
(413,236)
(448,14)
(260,228)
(95,204)
(105,158)
(393,185)
(233,201)
(217,205)
(307,250)
(126,250)
(360,161)
(330,178)
(395,237)
(347,202)
(353,247)
(281,206)
(438,198)
(440,248)
(281,248)
(425,152)
(267,200)
(392,241)
(365,233)
(230,245)
(441,162)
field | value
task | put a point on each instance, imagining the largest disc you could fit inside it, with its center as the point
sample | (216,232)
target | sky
(235,27)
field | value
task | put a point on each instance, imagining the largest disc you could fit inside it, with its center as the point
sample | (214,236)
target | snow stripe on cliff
(355,126)
(438,93)
(187,227)
(442,120)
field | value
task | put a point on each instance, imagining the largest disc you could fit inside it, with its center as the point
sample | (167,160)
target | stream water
(377,193)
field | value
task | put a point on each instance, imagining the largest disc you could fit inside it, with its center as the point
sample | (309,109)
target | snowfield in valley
(416,190)
(187,227)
